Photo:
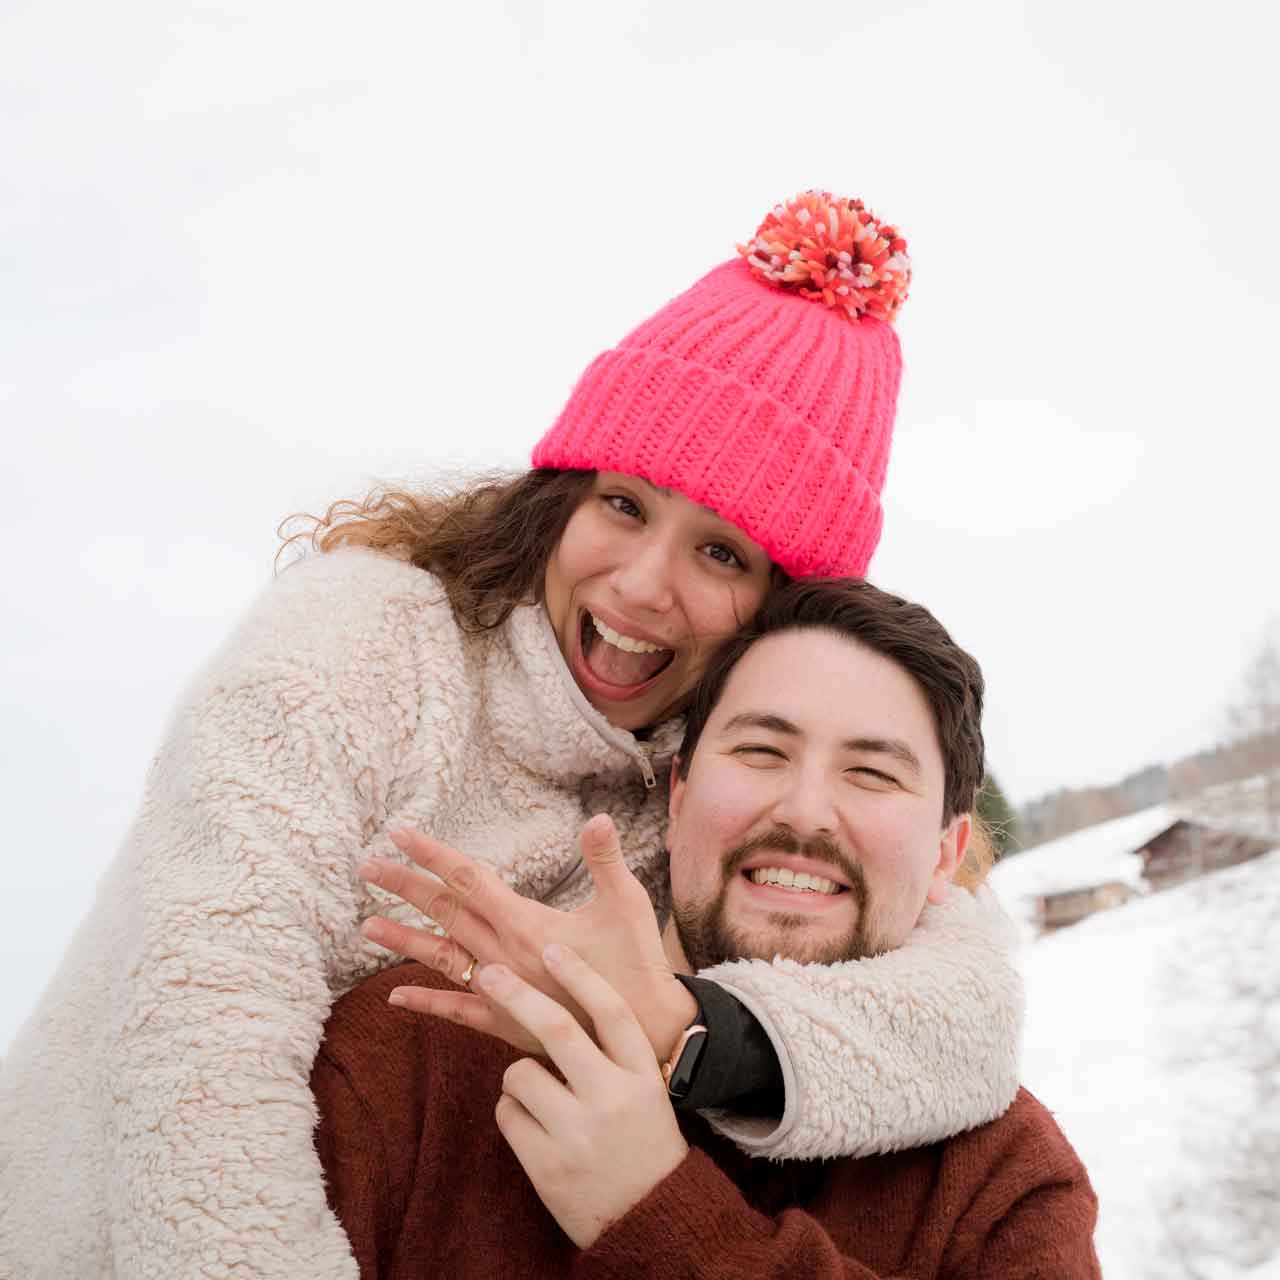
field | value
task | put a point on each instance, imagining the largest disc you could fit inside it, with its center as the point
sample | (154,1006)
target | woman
(492,669)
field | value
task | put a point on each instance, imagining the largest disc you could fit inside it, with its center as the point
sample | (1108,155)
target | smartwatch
(679,1069)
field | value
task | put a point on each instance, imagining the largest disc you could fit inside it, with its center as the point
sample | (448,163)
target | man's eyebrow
(885,747)
(761,720)
(774,723)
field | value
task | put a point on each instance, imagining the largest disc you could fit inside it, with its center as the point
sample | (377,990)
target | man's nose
(806,803)
(647,579)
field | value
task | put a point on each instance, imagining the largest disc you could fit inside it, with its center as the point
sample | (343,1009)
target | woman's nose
(646,580)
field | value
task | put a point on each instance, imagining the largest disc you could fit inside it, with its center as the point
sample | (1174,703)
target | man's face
(810,824)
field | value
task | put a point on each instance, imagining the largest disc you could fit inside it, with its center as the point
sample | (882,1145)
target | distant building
(1105,865)
(1063,881)
(1188,848)
(1068,906)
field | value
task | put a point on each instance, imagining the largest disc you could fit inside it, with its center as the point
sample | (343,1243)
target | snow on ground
(1153,1034)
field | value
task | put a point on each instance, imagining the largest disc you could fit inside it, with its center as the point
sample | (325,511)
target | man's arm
(605,1155)
(697,1223)
(349,1143)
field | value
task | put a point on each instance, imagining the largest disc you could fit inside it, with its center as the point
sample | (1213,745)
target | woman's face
(641,589)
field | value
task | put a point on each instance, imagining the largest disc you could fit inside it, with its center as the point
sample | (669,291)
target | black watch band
(680,1068)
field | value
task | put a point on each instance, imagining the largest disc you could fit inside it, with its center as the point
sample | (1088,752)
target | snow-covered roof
(1102,854)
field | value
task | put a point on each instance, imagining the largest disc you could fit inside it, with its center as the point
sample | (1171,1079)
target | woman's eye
(724,555)
(621,503)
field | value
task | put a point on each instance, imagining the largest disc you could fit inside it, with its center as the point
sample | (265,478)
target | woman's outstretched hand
(616,933)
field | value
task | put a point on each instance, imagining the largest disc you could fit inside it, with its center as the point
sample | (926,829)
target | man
(821,798)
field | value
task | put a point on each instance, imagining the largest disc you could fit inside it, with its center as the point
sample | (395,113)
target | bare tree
(1254,718)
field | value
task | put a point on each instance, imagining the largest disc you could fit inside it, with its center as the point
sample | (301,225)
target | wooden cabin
(1069,906)
(1186,849)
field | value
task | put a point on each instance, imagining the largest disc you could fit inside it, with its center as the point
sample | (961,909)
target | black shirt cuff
(738,1070)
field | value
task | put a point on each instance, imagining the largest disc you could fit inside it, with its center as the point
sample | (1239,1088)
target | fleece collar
(543,719)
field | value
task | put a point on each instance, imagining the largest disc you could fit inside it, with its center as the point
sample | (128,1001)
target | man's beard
(708,938)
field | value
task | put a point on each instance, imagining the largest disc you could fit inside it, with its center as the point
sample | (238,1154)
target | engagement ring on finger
(467,972)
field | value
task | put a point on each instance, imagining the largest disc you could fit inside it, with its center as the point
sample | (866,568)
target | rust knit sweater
(425,1185)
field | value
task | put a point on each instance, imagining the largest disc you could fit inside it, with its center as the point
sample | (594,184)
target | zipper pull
(650,781)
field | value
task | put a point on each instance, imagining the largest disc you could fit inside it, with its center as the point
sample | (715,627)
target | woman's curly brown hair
(489,543)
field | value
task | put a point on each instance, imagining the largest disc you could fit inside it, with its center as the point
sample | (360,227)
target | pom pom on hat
(834,251)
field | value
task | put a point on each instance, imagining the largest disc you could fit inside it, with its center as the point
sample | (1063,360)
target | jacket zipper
(575,872)
(646,768)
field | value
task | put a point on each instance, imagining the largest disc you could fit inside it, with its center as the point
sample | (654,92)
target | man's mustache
(783,840)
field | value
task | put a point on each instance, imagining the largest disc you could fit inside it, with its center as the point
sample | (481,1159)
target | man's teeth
(628,644)
(793,879)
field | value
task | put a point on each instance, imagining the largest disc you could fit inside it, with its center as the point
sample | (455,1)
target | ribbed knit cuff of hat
(729,446)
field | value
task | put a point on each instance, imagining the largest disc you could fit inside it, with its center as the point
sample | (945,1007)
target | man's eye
(759,750)
(621,503)
(874,775)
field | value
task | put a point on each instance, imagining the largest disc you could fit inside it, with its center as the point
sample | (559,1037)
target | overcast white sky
(256,255)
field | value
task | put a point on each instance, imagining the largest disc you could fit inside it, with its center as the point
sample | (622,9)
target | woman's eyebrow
(666,493)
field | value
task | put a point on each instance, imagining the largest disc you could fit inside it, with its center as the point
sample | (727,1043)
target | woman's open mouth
(621,665)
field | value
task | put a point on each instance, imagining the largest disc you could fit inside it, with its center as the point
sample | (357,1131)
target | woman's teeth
(792,879)
(628,644)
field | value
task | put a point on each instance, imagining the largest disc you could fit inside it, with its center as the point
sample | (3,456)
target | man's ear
(951,851)
(676,796)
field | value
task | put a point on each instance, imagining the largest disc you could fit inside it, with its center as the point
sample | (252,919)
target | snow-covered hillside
(1154,1036)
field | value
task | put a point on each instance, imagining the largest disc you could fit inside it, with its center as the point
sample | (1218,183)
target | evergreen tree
(999,817)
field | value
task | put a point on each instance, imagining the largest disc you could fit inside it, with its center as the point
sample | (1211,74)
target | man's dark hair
(905,633)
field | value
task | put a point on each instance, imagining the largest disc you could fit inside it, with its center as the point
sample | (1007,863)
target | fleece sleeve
(695,1223)
(240,872)
(239,889)
(890,1052)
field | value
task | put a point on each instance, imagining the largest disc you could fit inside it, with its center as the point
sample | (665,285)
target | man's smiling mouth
(796,881)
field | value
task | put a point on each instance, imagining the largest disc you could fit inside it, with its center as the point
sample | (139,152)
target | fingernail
(397,997)
(493,977)
(374,930)
(553,953)
(399,838)
(369,870)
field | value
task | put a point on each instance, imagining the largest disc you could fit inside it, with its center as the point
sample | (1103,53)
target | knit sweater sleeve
(349,1143)
(890,1052)
(696,1223)
(1020,1224)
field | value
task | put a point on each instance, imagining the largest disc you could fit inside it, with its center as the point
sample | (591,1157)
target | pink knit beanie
(766,391)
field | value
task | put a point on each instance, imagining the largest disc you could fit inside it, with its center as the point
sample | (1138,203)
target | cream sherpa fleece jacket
(155,1113)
